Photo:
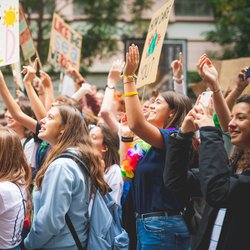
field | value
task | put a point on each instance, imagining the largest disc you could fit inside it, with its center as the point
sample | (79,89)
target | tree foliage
(101,29)
(232,27)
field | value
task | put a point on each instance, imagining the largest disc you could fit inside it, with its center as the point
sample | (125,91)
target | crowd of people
(178,170)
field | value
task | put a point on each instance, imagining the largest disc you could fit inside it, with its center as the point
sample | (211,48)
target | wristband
(110,87)
(178,79)
(127,139)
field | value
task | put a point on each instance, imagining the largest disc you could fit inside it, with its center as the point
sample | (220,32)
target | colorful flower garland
(137,150)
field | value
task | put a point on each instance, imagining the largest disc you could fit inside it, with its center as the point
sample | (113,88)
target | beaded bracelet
(129,76)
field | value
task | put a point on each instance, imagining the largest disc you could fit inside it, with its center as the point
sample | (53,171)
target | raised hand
(124,129)
(132,61)
(177,67)
(188,125)
(115,72)
(30,71)
(240,82)
(208,72)
(46,80)
(203,116)
(74,73)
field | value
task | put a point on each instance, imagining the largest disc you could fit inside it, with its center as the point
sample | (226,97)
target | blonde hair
(13,163)
(75,135)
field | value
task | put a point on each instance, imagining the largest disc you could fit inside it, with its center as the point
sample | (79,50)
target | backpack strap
(75,158)
(73,232)
(69,223)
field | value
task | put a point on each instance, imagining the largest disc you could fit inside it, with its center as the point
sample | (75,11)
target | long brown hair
(238,156)
(111,141)
(181,105)
(13,164)
(75,135)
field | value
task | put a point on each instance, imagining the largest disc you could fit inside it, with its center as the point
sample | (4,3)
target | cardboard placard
(65,44)
(152,48)
(26,41)
(228,72)
(9,32)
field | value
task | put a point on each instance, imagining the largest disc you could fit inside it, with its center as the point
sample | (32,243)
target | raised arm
(14,108)
(75,74)
(177,70)
(241,84)
(82,91)
(48,90)
(136,120)
(113,78)
(35,102)
(210,75)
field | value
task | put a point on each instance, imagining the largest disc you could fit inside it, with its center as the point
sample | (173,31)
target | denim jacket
(65,189)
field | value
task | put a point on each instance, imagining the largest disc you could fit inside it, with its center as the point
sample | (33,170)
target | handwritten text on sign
(65,44)
(9,32)
(152,48)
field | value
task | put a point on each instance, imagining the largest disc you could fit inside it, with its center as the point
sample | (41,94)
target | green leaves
(232,27)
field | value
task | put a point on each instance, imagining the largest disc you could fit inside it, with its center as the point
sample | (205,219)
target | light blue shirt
(63,191)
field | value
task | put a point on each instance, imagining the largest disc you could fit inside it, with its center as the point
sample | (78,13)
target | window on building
(192,8)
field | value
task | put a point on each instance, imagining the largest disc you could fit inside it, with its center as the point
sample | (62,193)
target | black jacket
(222,189)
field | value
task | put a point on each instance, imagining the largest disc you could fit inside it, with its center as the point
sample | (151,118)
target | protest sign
(26,40)
(9,32)
(228,72)
(65,44)
(152,48)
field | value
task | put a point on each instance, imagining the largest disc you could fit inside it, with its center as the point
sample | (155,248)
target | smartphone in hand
(205,98)
(246,74)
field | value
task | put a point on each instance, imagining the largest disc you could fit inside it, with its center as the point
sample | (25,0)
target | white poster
(9,32)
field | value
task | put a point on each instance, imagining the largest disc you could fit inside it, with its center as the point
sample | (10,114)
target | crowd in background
(179,170)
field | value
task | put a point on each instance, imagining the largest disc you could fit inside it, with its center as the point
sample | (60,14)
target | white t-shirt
(11,214)
(30,149)
(113,178)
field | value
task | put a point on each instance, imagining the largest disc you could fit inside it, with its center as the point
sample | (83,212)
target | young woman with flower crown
(158,211)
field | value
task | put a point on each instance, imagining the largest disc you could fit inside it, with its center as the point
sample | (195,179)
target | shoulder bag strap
(70,225)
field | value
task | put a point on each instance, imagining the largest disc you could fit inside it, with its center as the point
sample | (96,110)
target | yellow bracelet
(130,94)
(129,76)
